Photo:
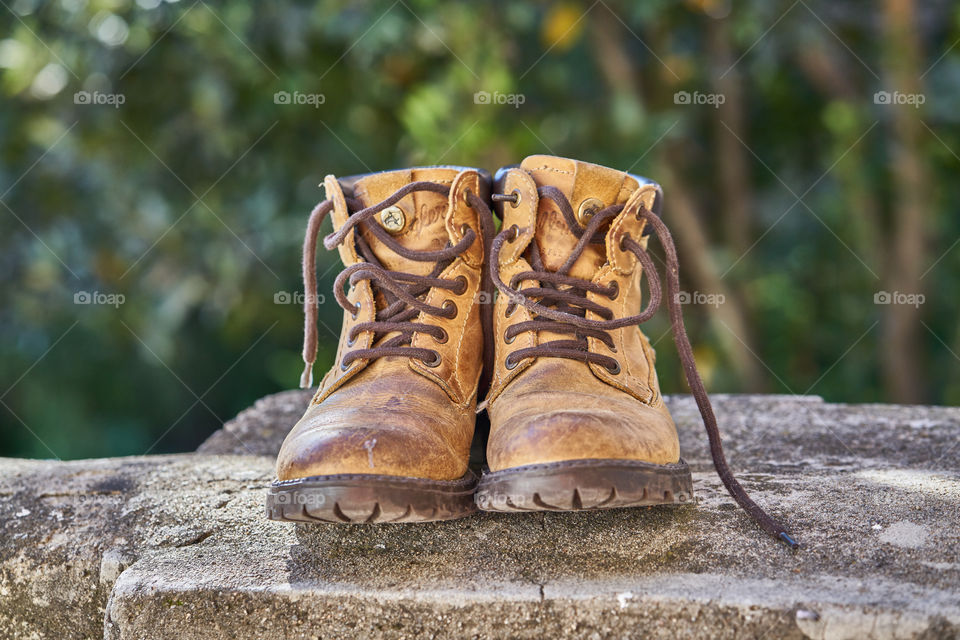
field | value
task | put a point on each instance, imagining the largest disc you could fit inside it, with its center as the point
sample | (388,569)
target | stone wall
(179,546)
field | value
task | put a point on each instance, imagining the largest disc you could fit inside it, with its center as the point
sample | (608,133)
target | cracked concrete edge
(666,606)
(68,530)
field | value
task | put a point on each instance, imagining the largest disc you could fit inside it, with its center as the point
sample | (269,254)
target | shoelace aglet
(793,544)
(306,378)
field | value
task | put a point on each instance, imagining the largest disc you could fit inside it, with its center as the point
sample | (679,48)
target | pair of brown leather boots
(539,320)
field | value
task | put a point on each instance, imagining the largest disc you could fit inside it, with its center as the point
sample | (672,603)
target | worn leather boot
(576,416)
(387,436)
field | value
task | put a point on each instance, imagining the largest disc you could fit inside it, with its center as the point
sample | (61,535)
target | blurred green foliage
(189,199)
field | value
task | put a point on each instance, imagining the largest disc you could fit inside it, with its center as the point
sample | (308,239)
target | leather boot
(577,420)
(387,436)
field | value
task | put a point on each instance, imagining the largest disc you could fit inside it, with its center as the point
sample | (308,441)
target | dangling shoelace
(402,291)
(564,311)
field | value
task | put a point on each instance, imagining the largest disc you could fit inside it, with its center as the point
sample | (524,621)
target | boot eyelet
(355,312)
(463,285)
(435,362)
(351,341)
(509,363)
(450,304)
(615,370)
(344,366)
(510,308)
(516,198)
(515,230)
(587,209)
(509,340)
(466,195)
(615,289)
(443,336)
(393,220)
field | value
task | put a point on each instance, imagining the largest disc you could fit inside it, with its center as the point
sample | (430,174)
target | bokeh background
(154,187)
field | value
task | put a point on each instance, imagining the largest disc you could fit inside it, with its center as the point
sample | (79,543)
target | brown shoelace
(401,291)
(560,305)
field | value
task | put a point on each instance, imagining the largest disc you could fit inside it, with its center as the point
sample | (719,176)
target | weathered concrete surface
(178,546)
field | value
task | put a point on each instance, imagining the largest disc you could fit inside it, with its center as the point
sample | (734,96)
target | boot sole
(584,485)
(368,499)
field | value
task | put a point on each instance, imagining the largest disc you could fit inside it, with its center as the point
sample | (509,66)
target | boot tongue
(420,223)
(580,182)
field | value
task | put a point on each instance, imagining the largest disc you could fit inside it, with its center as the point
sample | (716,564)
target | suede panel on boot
(398,415)
(547,409)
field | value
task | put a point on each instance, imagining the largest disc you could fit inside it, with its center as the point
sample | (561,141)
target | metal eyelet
(393,220)
(466,195)
(463,287)
(513,198)
(509,363)
(448,304)
(516,233)
(344,366)
(615,370)
(351,341)
(587,209)
(356,312)
(443,336)
(616,289)
(509,340)
(435,362)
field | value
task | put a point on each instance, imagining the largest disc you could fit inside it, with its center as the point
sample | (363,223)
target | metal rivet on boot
(587,209)
(392,219)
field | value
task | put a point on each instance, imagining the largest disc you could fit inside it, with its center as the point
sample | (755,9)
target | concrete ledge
(178,546)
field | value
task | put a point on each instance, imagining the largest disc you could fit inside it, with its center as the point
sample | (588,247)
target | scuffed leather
(461,356)
(361,294)
(397,416)
(555,409)
(387,421)
(512,262)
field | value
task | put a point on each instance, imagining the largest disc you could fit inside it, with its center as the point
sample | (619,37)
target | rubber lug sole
(585,485)
(369,499)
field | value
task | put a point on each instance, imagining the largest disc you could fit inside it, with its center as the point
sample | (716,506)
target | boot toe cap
(380,449)
(606,428)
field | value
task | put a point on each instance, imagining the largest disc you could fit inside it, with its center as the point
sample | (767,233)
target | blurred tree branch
(824,68)
(736,193)
(904,372)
